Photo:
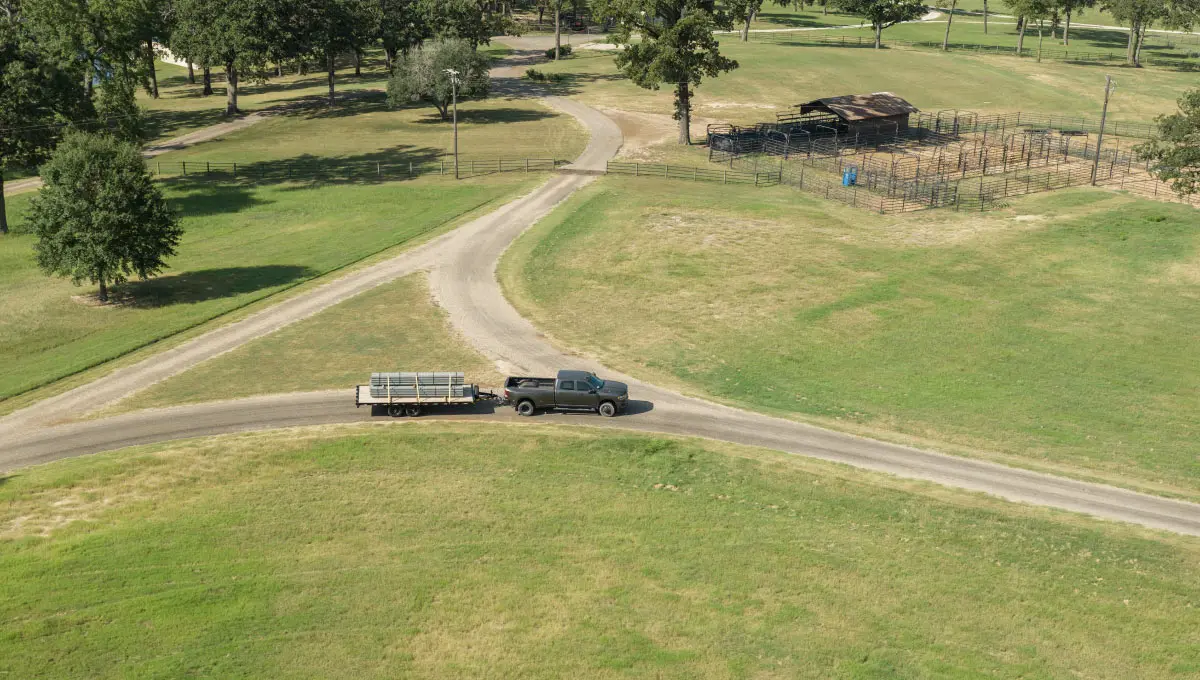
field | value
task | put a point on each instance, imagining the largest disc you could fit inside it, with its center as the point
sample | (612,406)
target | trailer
(407,393)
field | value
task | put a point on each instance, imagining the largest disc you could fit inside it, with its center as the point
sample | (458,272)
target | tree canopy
(99,217)
(882,13)
(421,75)
(676,46)
(1175,154)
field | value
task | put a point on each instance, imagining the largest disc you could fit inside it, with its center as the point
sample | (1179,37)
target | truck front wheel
(608,409)
(525,408)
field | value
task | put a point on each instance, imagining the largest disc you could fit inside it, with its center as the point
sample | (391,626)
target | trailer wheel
(607,409)
(395,410)
(412,410)
(525,408)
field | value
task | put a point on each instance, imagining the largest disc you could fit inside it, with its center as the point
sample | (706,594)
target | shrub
(563,51)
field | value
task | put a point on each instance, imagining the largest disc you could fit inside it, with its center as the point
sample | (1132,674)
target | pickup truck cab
(570,391)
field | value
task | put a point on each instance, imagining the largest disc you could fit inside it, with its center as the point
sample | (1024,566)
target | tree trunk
(150,67)
(683,108)
(357,63)
(330,64)
(1067,30)
(1039,55)
(1137,51)
(985,13)
(541,14)
(1021,35)
(878,35)
(231,93)
(557,33)
(949,20)
(746,27)
(389,57)
(207,78)
(191,73)
(3,209)
(103,287)
(1129,55)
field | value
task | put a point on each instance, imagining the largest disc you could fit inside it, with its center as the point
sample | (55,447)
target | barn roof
(861,106)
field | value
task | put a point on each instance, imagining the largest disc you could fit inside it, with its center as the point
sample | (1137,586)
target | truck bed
(528,383)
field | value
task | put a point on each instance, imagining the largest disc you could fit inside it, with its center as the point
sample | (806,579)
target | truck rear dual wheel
(395,410)
(525,408)
(608,409)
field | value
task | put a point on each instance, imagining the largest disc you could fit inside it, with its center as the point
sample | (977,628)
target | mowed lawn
(1059,333)
(395,327)
(457,551)
(242,242)
(772,78)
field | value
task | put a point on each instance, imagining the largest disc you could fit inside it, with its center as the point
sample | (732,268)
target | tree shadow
(399,163)
(164,124)
(796,21)
(196,199)
(489,116)
(208,284)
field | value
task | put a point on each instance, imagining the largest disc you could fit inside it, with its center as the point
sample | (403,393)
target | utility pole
(454,97)
(1108,88)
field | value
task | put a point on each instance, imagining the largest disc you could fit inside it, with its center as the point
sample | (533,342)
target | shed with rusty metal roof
(878,112)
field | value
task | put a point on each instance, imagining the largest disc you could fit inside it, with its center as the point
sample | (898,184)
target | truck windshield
(595,382)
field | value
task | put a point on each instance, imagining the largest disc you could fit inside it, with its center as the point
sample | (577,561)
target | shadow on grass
(488,116)
(197,199)
(220,187)
(209,284)
(794,21)
(164,124)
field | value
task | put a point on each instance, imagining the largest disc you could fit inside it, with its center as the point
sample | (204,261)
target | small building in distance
(867,114)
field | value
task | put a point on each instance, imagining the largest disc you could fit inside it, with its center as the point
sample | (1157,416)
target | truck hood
(614,388)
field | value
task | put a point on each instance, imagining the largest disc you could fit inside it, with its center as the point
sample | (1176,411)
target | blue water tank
(850,176)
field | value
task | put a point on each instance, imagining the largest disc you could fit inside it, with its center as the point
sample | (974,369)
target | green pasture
(242,243)
(1057,334)
(395,327)
(453,550)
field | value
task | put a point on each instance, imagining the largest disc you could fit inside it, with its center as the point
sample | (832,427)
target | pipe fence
(358,170)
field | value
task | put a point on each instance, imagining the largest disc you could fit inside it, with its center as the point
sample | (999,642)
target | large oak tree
(669,41)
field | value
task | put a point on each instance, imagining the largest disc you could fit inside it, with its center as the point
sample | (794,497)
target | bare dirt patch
(644,132)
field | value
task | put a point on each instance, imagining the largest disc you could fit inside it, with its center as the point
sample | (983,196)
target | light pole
(454,97)
(1108,88)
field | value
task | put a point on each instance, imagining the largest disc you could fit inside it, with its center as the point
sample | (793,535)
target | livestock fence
(765,177)
(957,159)
(1187,59)
(353,170)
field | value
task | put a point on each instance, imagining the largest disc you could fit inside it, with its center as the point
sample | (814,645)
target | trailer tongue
(407,393)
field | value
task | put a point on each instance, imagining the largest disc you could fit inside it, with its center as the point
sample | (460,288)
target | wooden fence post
(235,169)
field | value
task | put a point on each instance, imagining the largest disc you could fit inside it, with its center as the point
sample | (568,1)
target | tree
(745,11)
(475,21)
(676,46)
(235,34)
(1175,153)
(334,27)
(401,26)
(1069,8)
(882,13)
(950,7)
(1138,15)
(99,217)
(39,94)
(421,75)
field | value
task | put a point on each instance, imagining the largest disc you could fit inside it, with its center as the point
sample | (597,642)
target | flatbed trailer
(407,394)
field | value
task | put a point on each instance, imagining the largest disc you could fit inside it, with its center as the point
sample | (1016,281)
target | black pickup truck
(571,391)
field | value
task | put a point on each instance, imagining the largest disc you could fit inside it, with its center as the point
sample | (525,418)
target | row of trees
(1137,15)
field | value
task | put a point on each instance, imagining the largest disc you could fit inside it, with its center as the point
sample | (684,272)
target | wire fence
(1185,60)
(359,170)
(754,176)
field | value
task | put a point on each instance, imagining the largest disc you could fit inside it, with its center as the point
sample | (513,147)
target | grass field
(242,242)
(774,77)
(456,550)
(1057,334)
(395,327)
